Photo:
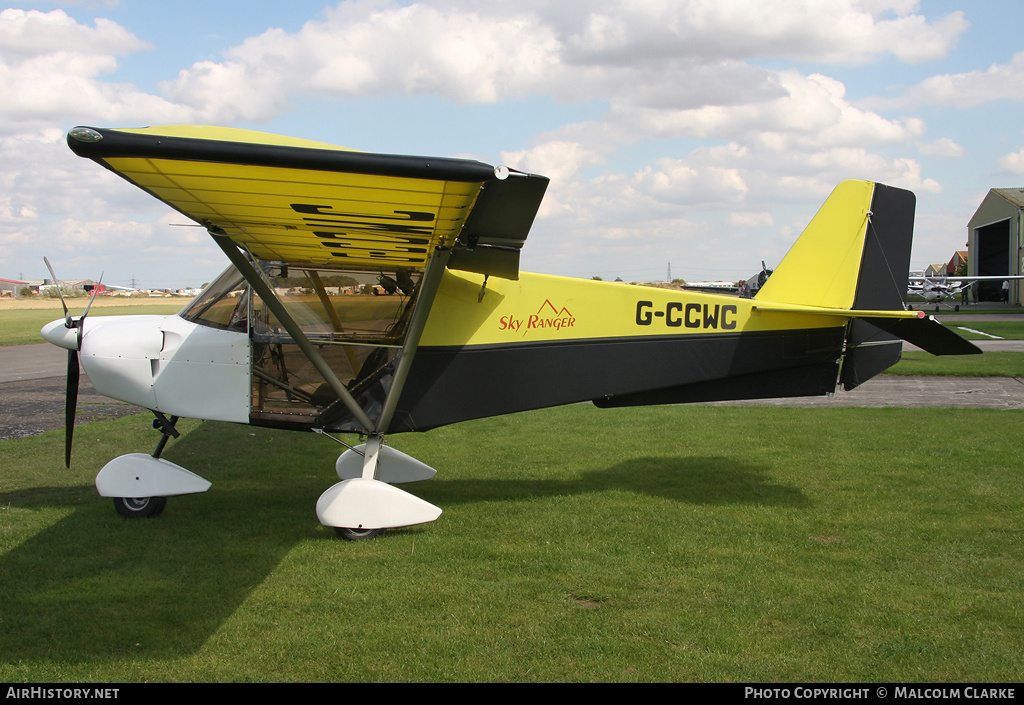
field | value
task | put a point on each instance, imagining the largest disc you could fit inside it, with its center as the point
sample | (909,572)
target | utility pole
(668,277)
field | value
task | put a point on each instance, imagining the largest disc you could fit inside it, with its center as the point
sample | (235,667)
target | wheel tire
(138,507)
(357,534)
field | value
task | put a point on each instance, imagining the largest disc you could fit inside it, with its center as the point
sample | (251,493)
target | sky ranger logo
(547,316)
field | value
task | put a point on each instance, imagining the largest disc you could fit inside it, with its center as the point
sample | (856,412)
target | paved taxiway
(33,387)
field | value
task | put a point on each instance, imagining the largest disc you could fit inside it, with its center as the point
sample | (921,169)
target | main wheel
(133,507)
(357,534)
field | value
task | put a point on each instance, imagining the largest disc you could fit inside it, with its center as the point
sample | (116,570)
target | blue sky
(697,133)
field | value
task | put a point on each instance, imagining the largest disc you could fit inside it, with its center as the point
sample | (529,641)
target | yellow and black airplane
(375,294)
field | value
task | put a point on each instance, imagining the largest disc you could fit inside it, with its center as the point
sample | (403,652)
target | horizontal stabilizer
(927,334)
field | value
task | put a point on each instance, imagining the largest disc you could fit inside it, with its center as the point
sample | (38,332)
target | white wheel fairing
(137,475)
(393,466)
(360,503)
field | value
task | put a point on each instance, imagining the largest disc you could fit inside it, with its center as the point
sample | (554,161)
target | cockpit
(357,320)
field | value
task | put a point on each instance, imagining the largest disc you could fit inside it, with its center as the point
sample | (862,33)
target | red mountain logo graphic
(557,311)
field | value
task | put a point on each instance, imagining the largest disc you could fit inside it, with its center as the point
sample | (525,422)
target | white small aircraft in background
(937,290)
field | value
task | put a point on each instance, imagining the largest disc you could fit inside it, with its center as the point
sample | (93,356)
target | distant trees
(303,281)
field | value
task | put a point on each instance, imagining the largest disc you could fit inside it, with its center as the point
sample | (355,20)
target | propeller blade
(56,282)
(92,298)
(81,319)
(71,398)
(70,404)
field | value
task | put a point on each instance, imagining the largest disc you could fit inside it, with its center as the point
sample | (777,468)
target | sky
(696,137)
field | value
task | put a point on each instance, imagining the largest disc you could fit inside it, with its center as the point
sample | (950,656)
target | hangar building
(995,238)
(12,287)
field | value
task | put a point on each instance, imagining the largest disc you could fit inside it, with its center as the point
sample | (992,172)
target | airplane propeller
(71,396)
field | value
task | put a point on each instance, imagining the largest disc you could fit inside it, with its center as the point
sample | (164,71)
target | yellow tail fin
(823,266)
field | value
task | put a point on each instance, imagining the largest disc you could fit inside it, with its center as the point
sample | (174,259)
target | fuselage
(486,349)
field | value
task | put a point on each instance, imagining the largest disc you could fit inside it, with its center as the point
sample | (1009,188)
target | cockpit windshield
(356,319)
(222,304)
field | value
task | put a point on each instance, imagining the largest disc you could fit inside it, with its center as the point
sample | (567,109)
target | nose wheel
(357,534)
(138,507)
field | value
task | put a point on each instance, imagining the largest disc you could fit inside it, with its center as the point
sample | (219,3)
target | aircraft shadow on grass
(707,481)
(137,590)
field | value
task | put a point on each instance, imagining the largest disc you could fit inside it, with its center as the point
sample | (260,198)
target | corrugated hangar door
(993,253)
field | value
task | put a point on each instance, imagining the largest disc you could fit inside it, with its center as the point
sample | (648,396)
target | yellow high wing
(306,202)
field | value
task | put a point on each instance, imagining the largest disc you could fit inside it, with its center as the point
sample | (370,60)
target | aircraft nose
(57,333)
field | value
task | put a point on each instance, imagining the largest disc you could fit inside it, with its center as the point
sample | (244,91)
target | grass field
(20,320)
(577,544)
(1009,330)
(990,364)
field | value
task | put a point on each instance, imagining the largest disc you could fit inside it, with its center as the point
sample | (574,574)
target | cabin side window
(356,319)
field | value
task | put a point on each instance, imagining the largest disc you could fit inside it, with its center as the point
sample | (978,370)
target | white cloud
(998,82)
(1013,162)
(358,52)
(51,66)
(652,53)
(942,147)
(746,219)
(676,181)
(29,33)
(834,31)
(558,160)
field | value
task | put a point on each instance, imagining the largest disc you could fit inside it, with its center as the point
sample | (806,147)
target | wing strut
(278,309)
(428,288)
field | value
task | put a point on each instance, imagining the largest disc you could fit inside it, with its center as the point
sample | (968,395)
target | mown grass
(990,364)
(1010,330)
(21,326)
(576,544)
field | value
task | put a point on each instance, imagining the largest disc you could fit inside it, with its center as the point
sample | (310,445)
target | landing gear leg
(371,457)
(144,507)
(167,428)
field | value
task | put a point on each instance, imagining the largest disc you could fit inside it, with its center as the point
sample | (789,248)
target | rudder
(881,285)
